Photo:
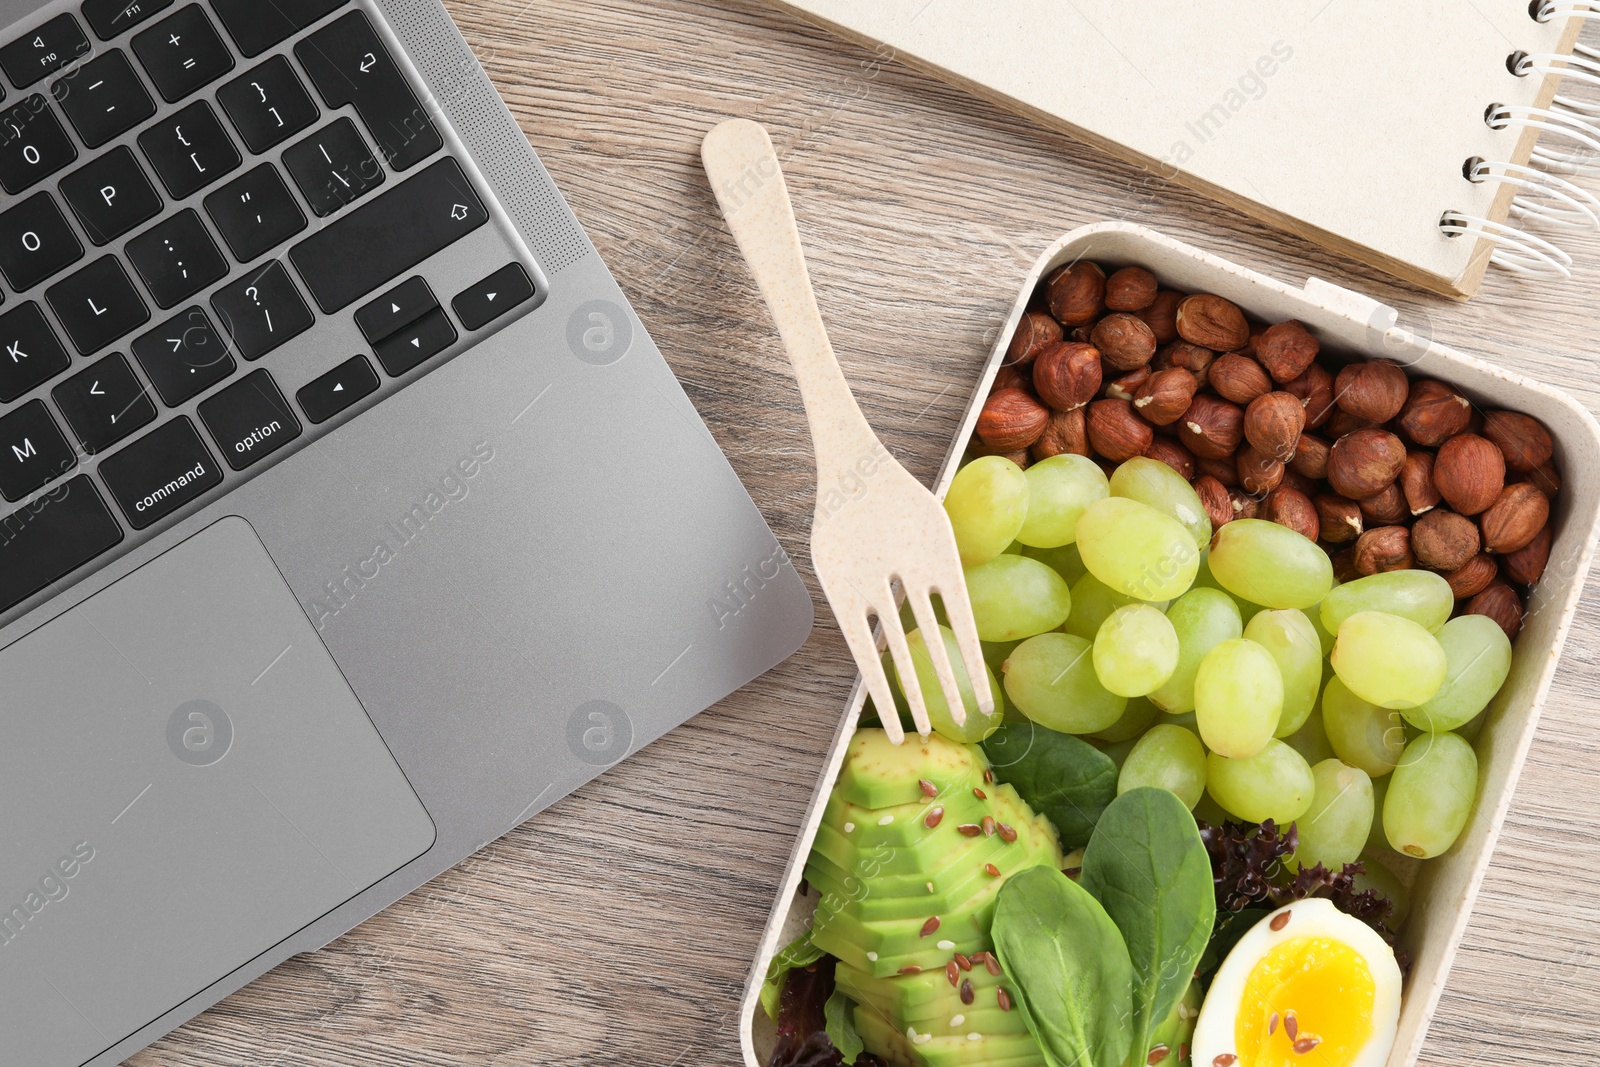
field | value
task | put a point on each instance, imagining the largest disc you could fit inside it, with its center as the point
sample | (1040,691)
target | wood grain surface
(617,927)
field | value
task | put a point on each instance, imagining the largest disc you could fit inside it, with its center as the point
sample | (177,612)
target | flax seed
(933,818)
(1272,1026)
(952,972)
(1227,1059)
(988,826)
(970,829)
(1279,921)
(928,788)
(980,794)
(1157,1054)
(1003,997)
(1306,1044)
(1291,1025)
(1007,833)
(930,926)
(991,964)
(991,870)
(988,776)
(967,995)
(911,969)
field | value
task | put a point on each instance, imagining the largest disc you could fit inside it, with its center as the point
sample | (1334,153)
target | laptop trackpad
(187,780)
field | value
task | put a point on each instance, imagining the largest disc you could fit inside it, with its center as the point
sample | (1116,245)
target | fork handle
(748,182)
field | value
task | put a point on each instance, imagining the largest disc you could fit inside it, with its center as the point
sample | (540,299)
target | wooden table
(618,927)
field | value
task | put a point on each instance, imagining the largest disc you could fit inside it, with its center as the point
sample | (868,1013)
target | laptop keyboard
(179,206)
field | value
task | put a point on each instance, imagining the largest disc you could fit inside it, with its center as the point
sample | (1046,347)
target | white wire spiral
(1567,9)
(1516,251)
(1582,210)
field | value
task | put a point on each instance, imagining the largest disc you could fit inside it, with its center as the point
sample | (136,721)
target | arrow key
(395,309)
(428,336)
(491,297)
(104,402)
(323,398)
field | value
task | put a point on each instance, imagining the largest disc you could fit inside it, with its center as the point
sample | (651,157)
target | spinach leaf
(1068,968)
(1148,868)
(1069,780)
(841,1026)
(798,953)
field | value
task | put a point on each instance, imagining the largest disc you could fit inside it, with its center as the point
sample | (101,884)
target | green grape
(1274,784)
(1204,579)
(1202,619)
(1186,720)
(1361,733)
(987,503)
(1167,757)
(1376,839)
(1333,831)
(978,726)
(1477,657)
(1059,488)
(995,653)
(1288,635)
(1391,661)
(1210,812)
(1470,729)
(1092,604)
(1238,697)
(1431,796)
(1051,678)
(1015,597)
(1118,751)
(1324,636)
(1311,740)
(1149,481)
(1376,875)
(1139,714)
(1135,650)
(1270,565)
(1421,596)
(1065,560)
(1137,550)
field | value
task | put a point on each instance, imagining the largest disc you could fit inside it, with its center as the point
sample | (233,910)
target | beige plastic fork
(875,524)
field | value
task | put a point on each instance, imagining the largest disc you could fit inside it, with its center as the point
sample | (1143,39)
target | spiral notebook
(1354,123)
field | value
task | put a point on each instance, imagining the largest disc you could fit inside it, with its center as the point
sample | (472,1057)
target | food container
(1349,325)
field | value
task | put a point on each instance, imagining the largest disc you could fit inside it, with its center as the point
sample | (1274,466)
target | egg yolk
(1307,1002)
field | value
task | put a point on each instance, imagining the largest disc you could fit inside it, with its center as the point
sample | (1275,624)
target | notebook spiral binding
(1569,144)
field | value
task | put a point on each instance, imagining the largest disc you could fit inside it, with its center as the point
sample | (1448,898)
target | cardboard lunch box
(1350,326)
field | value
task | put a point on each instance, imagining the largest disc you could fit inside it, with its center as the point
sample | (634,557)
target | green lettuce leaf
(841,1026)
(798,953)
(1068,780)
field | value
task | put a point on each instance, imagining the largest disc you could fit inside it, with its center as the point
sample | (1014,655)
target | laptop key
(189,150)
(389,234)
(43,51)
(103,98)
(107,18)
(349,65)
(96,304)
(103,403)
(35,242)
(262,310)
(182,52)
(324,397)
(30,354)
(267,104)
(426,337)
(255,212)
(176,258)
(183,357)
(160,472)
(33,145)
(486,300)
(256,26)
(52,537)
(32,451)
(399,307)
(111,195)
(332,167)
(249,420)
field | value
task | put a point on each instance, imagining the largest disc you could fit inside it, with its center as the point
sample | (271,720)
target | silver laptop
(350,515)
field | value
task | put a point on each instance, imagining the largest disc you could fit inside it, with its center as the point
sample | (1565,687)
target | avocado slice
(986,1050)
(879,774)
(931,1003)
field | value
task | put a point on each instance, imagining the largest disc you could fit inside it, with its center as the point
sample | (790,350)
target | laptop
(350,516)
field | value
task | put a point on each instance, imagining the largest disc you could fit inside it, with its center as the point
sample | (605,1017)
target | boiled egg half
(1307,986)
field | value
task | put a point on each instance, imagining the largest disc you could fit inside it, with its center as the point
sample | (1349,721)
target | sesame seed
(1003,997)
(991,870)
(980,794)
(849,827)
(930,926)
(917,1039)
(933,818)
(964,962)
(1279,921)
(873,956)
(967,995)
(988,826)
(957,1020)
(930,887)
(927,787)
(1157,1054)
(969,829)
(974,1037)
(886,820)
(1307,1043)
(945,946)
(1291,1025)
(952,972)
(1008,834)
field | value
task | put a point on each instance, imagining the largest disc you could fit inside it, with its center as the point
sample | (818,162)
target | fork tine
(865,650)
(928,623)
(900,650)
(958,608)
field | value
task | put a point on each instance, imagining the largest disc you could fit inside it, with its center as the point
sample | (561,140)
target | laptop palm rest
(217,786)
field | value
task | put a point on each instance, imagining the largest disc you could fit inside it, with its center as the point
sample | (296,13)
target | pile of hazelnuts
(1386,472)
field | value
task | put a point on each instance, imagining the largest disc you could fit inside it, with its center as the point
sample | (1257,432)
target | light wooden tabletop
(617,927)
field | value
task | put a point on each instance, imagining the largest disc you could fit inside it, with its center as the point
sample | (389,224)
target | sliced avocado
(929,1001)
(878,774)
(900,1050)
(904,824)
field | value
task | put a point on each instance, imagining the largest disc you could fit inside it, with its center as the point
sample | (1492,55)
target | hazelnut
(1066,375)
(1192,358)
(1315,390)
(1287,350)
(1124,341)
(1544,478)
(1258,472)
(1064,433)
(1499,602)
(1444,541)
(1244,505)
(1127,386)
(1469,472)
(1272,423)
(1116,432)
(1035,332)
(1076,293)
(1416,481)
(1514,519)
(1130,289)
(1340,518)
(1386,507)
(1211,428)
(1344,565)
(1295,480)
(1473,577)
(1223,470)
(1433,413)
(1214,496)
(1310,456)
(1292,508)
(1165,395)
(1011,376)
(1256,330)
(1523,439)
(1361,464)
(1387,548)
(1173,455)
(1341,422)
(1238,378)
(1526,565)
(1375,389)
(1022,458)
(1011,420)
(1162,316)
(1212,322)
